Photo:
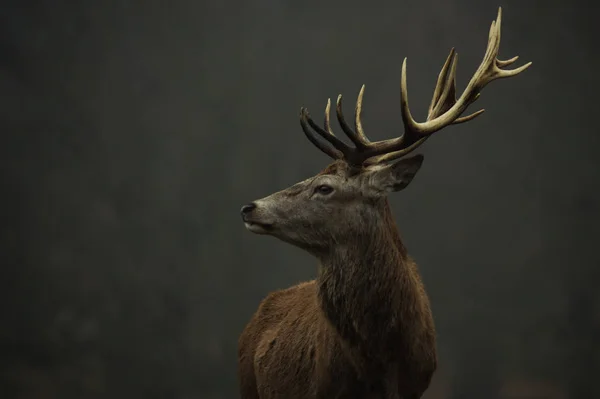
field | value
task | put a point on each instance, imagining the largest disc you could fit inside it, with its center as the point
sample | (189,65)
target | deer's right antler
(444,110)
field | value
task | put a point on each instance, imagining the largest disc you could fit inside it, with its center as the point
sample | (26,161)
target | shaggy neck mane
(370,292)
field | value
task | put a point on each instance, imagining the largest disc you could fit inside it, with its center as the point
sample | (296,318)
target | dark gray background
(132,132)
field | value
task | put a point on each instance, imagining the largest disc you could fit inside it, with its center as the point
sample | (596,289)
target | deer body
(363,328)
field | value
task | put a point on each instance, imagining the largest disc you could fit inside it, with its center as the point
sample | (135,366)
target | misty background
(133,131)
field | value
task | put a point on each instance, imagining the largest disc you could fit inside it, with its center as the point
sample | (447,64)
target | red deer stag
(363,328)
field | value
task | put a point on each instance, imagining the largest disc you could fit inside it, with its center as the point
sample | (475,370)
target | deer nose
(246,209)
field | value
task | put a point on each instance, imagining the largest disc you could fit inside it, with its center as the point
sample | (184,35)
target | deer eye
(324,189)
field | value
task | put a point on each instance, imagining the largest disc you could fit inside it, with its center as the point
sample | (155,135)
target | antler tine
(339,148)
(326,124)
(364,140)
(448,97)
(508,62)
(442,83)
(357,138)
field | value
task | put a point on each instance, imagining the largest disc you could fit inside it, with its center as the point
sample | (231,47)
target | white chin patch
(255,228)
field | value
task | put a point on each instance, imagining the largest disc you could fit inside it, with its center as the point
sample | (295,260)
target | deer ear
(395,176)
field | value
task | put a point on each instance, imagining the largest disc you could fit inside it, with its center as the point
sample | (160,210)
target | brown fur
(362,329)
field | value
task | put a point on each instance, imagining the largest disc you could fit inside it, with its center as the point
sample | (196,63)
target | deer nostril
(247,208)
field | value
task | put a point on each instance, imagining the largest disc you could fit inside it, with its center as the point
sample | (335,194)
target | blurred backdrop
(133,131)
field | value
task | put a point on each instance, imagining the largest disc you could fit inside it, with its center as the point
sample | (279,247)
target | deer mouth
(258,228)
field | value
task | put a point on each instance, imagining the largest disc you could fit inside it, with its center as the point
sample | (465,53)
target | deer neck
(370,291)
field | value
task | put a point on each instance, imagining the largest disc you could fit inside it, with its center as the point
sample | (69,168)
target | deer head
(348,199)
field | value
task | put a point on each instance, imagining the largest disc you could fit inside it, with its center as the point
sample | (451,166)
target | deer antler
(444,110)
